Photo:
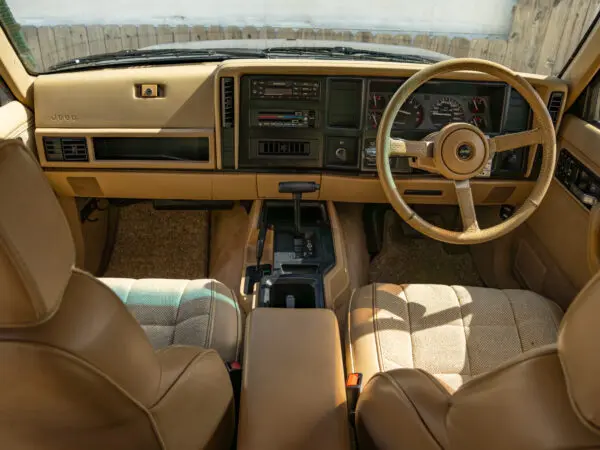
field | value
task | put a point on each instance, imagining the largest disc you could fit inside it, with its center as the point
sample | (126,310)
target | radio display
(278,91)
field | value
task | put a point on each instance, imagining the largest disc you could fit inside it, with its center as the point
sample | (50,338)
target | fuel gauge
(477,105)
(479,122)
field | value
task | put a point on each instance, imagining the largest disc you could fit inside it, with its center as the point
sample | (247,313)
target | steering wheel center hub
(462,151)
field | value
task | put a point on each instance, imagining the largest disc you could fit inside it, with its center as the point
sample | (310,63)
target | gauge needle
(407,113)
(441,114)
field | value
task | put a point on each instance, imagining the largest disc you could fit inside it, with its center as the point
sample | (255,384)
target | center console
(302,251)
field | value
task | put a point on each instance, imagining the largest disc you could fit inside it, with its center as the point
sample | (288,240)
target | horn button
(462,151)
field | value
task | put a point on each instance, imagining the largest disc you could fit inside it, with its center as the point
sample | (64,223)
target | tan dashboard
(86,115)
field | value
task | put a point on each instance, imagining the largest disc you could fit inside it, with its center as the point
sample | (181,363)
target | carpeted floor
(419,260)
(160,244)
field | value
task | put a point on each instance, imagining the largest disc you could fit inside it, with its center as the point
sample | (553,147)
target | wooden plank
(64,44)
(79,41)
(403,39)
(364,36)
(440,44)
(129,37)
(422,41)
(232,32)
(113,38)
(215,33)
(479,48)
(546,64)
(146,36)
(497,50)
(384,38)
(199,33)
(250,33)
(31,37)
(271,32)
(518,38)
(460,47)
(572,23)
(95,35)
(286,33)
(182,33)
(164,34)
(47,46)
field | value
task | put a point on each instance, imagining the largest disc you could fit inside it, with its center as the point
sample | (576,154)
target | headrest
(579,351)
(36,245)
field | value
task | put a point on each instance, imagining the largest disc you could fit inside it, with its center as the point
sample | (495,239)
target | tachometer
(446,110)
(410,115)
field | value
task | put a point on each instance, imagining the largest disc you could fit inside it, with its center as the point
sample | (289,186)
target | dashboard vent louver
(554,105)
(227,102)
(284,148)
(66,149)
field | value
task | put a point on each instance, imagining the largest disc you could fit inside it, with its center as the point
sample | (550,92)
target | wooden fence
(543,35)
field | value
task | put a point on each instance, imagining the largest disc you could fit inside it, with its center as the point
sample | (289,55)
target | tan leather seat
(77,369)
(472,368)
(184,312)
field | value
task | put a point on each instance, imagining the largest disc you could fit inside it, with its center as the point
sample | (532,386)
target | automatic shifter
(303,242)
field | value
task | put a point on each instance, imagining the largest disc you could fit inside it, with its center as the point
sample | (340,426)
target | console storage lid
(293,389)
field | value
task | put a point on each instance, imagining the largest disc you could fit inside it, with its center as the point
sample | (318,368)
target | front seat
(451,367)
(184,312)
(77,369)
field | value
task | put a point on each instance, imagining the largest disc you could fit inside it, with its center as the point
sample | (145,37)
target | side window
(591,110)
(5,94)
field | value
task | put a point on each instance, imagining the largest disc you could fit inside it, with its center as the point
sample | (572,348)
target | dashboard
(234,130)
(331,122)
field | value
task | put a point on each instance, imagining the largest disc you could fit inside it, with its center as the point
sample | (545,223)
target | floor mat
(419,260)
(160,244)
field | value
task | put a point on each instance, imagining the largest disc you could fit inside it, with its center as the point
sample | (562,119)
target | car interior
(296,253)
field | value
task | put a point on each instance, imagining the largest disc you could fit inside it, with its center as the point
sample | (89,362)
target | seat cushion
(203,313)
(453,332)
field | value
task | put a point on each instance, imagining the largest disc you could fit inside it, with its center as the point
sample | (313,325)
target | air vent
(65,149)
(284,148)
(227,102)
(554,105)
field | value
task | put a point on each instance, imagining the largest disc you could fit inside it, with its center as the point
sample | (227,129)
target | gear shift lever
(297,188)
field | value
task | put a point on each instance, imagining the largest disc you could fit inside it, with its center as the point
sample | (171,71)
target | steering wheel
(460,151)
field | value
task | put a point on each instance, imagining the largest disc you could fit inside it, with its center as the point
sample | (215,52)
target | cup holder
(291,291)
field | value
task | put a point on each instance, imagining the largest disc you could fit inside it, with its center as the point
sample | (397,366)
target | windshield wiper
(344,52)
(128,57)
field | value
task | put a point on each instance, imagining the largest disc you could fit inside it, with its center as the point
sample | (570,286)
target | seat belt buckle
(353,388)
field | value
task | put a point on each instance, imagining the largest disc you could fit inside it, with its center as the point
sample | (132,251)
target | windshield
(62,35)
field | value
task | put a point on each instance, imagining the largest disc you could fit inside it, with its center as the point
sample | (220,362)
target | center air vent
(554,105)
(66,149)
(284,148)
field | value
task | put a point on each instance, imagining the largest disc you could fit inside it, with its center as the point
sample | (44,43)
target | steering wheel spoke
(415,149)
(511,141)
(464,195)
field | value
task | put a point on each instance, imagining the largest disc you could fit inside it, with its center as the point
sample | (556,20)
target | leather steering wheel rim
(460,151)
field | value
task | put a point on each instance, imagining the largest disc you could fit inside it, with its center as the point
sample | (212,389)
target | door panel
(556,253)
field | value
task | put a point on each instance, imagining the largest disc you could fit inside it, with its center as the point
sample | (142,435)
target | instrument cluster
(428,111)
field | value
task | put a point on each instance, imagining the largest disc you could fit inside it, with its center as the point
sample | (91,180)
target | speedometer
(446,110)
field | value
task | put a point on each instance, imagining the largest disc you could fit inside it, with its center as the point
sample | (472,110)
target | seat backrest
(77,369)
(548,398)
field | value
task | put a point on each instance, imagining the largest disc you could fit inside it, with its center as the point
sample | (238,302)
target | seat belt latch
(353,388)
